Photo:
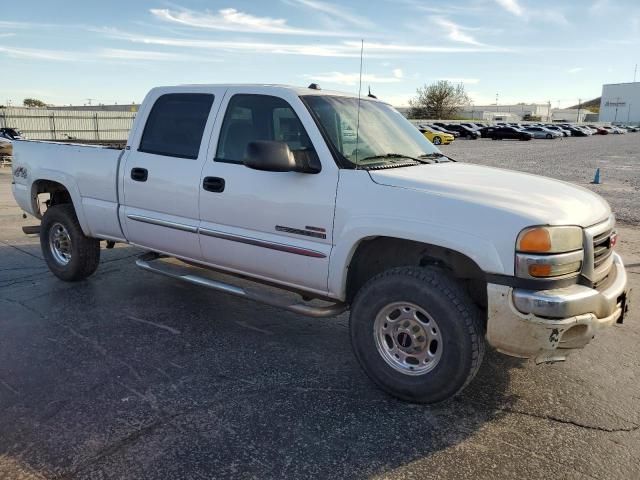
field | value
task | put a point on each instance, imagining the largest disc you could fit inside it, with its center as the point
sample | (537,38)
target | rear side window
(251,117)
(175,125)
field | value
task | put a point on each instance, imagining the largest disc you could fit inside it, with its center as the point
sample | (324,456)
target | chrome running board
(148,261)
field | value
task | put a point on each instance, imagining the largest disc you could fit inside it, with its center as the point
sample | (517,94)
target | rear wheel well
(373,256)
(48,193)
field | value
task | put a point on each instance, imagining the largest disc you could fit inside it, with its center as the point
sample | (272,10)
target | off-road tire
(84,251)
(457,317)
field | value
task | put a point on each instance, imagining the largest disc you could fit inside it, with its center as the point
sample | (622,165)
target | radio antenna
(358,114)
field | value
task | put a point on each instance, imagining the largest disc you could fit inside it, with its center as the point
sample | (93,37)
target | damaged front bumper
(547,324)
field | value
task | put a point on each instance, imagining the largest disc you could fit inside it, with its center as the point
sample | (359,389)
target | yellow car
(437,138)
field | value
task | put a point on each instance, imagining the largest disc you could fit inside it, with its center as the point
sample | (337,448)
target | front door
(275,226)
(161,172)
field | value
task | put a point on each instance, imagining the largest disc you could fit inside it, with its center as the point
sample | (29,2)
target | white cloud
(39,54)
(350,78)
(575,70)
(148,55)
(468,81)
(342,49)
(5,35)
(398,73)
(232,20)
(336,12)
(512,6)
(454,31)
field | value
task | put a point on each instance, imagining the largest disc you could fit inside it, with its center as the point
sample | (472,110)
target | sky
(113,51)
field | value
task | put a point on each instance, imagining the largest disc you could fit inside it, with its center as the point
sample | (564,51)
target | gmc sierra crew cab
(345,203)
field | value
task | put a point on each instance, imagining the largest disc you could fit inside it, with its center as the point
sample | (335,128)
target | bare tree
(442,99)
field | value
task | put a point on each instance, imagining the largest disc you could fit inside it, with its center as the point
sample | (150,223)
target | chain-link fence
(92,126)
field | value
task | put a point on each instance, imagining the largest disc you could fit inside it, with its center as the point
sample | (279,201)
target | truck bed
(88,172)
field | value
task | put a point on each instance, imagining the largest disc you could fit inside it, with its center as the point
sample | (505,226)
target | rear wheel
(417,334)
(437,140)
(549,136)
(69,254)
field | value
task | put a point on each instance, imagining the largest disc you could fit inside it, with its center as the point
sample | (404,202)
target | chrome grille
(602,248)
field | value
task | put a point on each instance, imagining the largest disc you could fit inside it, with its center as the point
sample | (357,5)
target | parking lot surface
(130,375)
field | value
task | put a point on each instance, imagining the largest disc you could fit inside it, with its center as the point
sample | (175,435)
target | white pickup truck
(342,201)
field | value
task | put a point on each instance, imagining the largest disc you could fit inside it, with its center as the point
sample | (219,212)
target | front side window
(259,117)
(175,125)
(375,133)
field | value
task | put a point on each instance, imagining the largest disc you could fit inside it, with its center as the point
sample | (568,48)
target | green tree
(33,102)
(442,99)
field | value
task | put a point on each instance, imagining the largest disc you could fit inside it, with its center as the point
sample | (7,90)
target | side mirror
(273,156)
(269,156)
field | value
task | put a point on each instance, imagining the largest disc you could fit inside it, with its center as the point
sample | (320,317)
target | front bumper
(546,324)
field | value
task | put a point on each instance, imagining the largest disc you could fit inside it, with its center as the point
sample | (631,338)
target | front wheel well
(375,255)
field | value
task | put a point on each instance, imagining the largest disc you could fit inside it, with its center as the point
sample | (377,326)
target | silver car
(542,132)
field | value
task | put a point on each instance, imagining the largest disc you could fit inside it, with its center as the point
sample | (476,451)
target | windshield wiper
(435,156)
(393,155)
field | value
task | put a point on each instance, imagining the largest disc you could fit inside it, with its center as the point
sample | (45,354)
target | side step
(150,262)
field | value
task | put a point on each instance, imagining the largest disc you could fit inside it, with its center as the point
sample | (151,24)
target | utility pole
(616,115)
(628,113)
(548,110)
(497,107)
(579,108)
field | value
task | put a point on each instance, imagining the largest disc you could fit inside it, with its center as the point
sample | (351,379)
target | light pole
(497,107)
(628,113)
(615,118)
(578,116)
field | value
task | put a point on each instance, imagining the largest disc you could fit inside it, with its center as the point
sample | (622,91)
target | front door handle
(139,174)
(213,184)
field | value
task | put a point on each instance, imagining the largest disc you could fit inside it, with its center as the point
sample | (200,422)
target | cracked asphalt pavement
(131,375)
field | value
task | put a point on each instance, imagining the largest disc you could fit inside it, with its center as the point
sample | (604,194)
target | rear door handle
(213,184)
(139,174)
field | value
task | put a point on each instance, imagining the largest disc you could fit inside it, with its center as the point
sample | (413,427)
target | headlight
(549,252)
(549,240)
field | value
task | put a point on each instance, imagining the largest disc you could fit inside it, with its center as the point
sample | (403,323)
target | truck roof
(267,87)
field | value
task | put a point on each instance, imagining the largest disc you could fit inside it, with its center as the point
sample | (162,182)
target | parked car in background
(541,132)
(614,130)
(599,130)
(11,133)
(445,130)
(465,132)
(472,126)
(436,137)
(629,128)
(556,128)
(506,133)
(577,132)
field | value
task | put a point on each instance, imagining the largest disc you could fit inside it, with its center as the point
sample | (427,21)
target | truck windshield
(384,136)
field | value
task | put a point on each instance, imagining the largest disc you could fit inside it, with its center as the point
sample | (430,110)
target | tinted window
(176,124)
(259,117)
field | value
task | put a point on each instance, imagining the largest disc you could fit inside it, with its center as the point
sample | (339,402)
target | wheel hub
(408,338)
(60,244)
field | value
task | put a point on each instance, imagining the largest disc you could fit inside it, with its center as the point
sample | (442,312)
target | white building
(508,113)
(620,103)
(570,115)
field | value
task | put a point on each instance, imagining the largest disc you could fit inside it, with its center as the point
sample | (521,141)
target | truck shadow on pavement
(132,375)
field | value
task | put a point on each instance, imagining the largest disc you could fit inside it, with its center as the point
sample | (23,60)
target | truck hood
(539,199)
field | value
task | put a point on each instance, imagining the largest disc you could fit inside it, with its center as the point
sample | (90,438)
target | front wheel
(549,136)
(437,140)
(417,334)
(69,254)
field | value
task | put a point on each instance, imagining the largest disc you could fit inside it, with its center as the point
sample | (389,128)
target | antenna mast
(359,94)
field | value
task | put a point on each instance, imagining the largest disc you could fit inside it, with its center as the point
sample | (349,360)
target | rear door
(270,225)
(161,172)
